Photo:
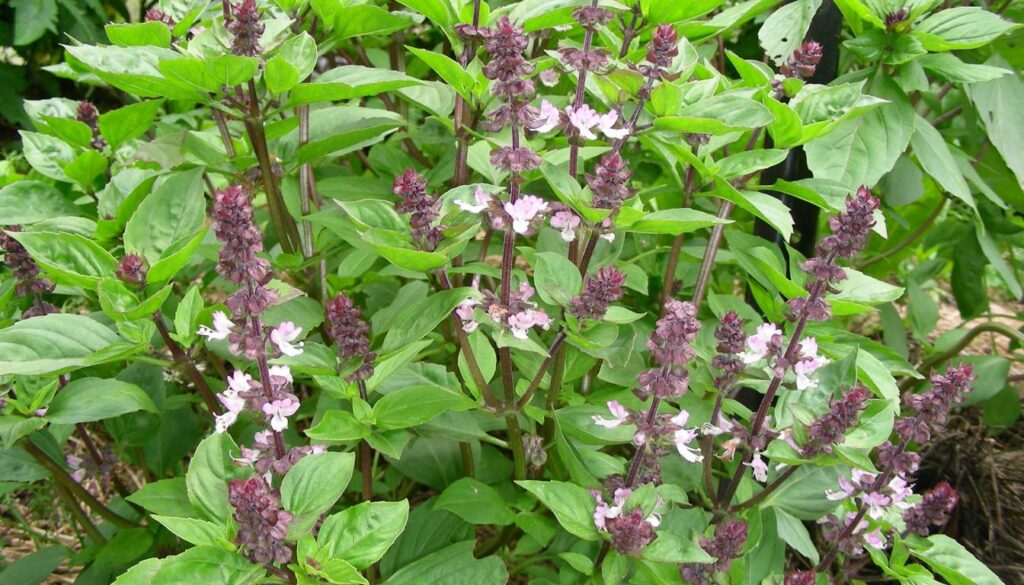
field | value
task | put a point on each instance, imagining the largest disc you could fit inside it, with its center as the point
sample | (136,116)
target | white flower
(549,119)
(583,119)
(605,512)
(223,421)
(239,381)
(482,198)
(619,416)
(759,467)
(521,322)
(279,411)
(683,437)
(284,335)
(729,449)
(281,372)
(523,211)
(222,325)
(606,122)
(567,221)
(758,343)
(248,456)
(809,363)
(654,520)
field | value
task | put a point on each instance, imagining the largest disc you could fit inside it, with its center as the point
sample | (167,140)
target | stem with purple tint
(577,102)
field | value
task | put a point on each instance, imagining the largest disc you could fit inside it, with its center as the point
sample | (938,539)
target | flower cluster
(347,328)
(799,578)
(414,199)
(26,271)
(933,510)
(651,431)
(154,14)
(610,182)
(850,230)
(566,222)
(520,315)
(664,47)
(726,546)
(850,538)
(934,405)
(524,214)
(630,531)
(245,28)
(731,340)
(767,343)
(244,393)
(803,61)
(262,524)
(670,346)
(599,291)
(88,114)
(587,58)
(831,428)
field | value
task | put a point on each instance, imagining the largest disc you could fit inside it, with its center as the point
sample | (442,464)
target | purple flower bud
(514,160)
(411,188)
(22,266)
(803,61)
(670,343)
(591,16)
(934,405)
(593,60)
(233,223)
(246,28)
(156,15)
(842,416)
(894,19)
(346,327)
(630,531)
(850,228)
(88,114)
(262,524)
(132,269)
(599,291)
(610,182)
(900,461)
(664,46)
(661,382)
(731,342)
(933,510)
(726,545)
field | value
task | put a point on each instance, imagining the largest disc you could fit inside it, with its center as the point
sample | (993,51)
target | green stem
(79,515)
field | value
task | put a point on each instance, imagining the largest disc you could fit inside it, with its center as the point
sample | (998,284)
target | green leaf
(746,162)
(475,502)
(557,279)
(803,495)
(338,571)
(422,317)
(27,202)
(950,559)
(363,533)
(175,210)
(135,70)
(572,505)
(953,69)
(127,123)
(168,497)
(991,373)
(207,477)
(92,399)
(208,565)
(962,27)
(668,11)
(784,29)
(449,70)
(35,567)
(51,344)
(86,168)
(141,33)
(292,62)
(338,426)
(674,222)
(121,304)
(313,485)
(795,534)
(349,82)
(209,75)
(936,160)
(175,257)
(193,531)
(364,19)
(861,288)
(186,317)
(46,154)
(968,277)
(32,18)
(669,548)
(769,209)
(452,565)
(859,151)
(996,102)
(339,130)
(717,115)
(409,407)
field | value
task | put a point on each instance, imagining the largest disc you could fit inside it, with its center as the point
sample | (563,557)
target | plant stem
(668,284)
(365,454)
(467,350)
(714,242)
(268,391)
(577,102)
(79,515)
(182,360)
(990,327)
(225,135)
(461,110)
(61,477)
(629,32)
(97,458)
(284,225)
(767,491)
(539,376)
(468,467)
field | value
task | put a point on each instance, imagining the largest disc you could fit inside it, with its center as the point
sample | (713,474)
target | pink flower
(811,361)
(619,416)
(77,471)
(549,77)
(283,372)
(222,422)
(523,211)
(284,335)
(758,343)
(683,437)
(248,456)
(583,119)
(279,411)
(875,539)
(605,512)
(482,198)
(521,322)
(549,119)
(606,122)
(239,381)
(567,221)
(222,325)
(759,467)
(465,312)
